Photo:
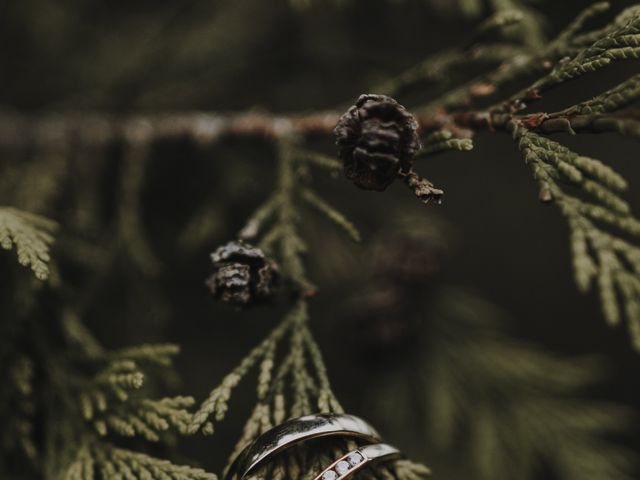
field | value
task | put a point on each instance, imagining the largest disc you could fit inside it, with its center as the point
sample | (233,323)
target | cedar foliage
(74,409)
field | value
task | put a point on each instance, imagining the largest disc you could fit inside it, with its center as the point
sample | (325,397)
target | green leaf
(31,236)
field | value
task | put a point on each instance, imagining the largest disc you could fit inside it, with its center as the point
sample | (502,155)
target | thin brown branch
(95,128)
(18,130)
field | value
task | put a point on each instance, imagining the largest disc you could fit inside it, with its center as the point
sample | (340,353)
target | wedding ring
(353,461)
(295,431)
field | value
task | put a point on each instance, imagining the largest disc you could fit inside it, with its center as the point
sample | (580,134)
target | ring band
(350,463)
(295,431)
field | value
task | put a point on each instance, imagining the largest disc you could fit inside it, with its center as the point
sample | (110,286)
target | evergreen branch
(129,224)
(292,377)
(216,404)
(499,20)
(18,397)
(209,127)
(625,123)
(533,408)
(205,224)
(106,462)
(327,401)
(597,254)
(114,401)
(320,160)
(78,335)
(568,34)
(408,470)
(440,68)
(589,52)
(300,377)
(273,403)
(86,391)
(442,141)
(530,30)
(31,235)
(119,377)
(622,19)
(262,215)
(620,44)
(160,354)
(552,163)
(433,70)
(332,214)
(291,245)
(290,382)
(601,114)
(144,417)
(618,41)
(202,127)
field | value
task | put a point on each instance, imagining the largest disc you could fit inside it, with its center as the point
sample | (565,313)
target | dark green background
(154,56)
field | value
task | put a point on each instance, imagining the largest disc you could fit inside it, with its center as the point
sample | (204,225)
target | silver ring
(350,463)
(295,431)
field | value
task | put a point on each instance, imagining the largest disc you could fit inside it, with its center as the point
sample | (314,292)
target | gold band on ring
(350,463)
(295,431)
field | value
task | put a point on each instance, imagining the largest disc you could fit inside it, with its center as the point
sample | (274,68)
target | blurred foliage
(508,406)
(139,208)
(516,405)
(31,236)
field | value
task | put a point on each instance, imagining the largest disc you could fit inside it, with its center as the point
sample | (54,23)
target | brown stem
(18,130)
(205,127)
(423,188)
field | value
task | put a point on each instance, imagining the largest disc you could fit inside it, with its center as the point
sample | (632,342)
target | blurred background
(491,246)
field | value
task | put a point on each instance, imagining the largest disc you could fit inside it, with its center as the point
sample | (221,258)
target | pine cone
(377,139)
(242,275)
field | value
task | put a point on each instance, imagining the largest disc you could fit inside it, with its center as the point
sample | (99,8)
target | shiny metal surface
(379,451)
(295,431)
(369,453)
